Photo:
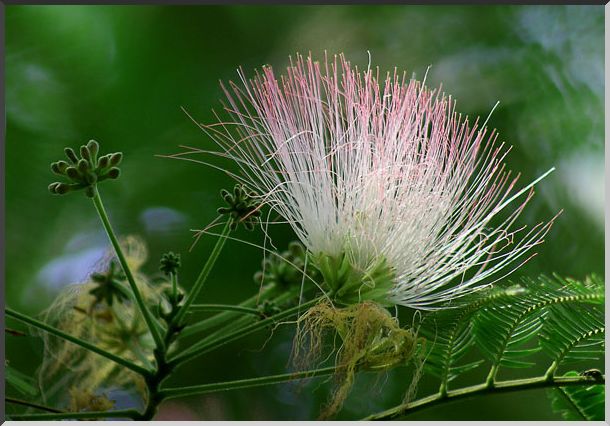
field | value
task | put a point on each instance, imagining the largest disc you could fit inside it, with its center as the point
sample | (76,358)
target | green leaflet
(506,328)
(24,384)
(570,336)
(449,334)
(578,402)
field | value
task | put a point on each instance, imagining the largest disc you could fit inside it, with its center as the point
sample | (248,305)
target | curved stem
(148,318)
(203,275)
(226,316)
(86,345)
(121,414)
(207,307)
(207,346)
(244,383)
(483,389)
(31,405)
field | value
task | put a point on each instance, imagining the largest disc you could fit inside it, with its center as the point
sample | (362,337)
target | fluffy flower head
(398,198)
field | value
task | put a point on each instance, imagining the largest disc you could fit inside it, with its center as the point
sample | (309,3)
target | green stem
(148,318)
(86,345)
(218,307)
(130,414)
(245,383)
(174,278)
(483,389)
(491,377)
(203,275)
(224,316)
(207,346)
(243,320)
(31,405)
(551,370)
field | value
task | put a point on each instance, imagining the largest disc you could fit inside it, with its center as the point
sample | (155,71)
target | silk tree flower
(398,198)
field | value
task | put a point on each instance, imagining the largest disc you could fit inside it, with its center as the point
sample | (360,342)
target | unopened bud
(116,158)
(114,173)
(71,155)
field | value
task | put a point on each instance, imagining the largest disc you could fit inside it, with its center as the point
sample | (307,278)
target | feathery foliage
(578,403)
(449,334)
(505,329)
(570,336)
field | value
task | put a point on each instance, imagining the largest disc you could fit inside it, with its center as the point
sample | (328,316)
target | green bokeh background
(120,75)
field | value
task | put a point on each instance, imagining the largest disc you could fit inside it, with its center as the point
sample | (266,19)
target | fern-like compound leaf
(578,402)
(449,334)
(570,336)
(506,328)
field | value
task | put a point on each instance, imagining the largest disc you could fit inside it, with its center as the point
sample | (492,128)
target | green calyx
(85,172)
(109,285)
(170,263)
(241,207)
(349,284)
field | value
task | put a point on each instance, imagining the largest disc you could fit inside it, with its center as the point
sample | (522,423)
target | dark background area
(120,75)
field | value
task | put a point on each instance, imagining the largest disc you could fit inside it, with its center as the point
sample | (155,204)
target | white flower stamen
(381,173)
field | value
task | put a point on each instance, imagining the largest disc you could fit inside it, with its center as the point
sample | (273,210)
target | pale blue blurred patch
(82,255)
(37,100)
(162,220)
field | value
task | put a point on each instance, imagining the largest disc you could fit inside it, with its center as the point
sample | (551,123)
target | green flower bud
(82,165)
(71,155)
(62,188)
(241,207)
(84,152)
(114,173)
(116,158)
(94,149)
(170,262)
(53,187)
(85,172)
(62,166)
(72,173)
(104,162)
(55,169)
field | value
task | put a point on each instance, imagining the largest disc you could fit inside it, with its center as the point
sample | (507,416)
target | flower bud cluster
(85,172)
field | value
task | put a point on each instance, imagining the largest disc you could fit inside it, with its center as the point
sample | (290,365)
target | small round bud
(93,147)
(116,158)
(114,173)
(71,155)
(85,172)
(82,165)
(226,195)
(241,207)
(62,188)
(84,152)
(53,187)
(62,166)
(72,173)
(170,262)
(103,162)
(55,168)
